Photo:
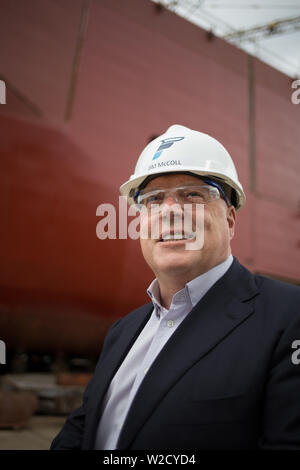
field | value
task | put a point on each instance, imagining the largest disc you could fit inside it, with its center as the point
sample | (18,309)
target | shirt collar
(194,290)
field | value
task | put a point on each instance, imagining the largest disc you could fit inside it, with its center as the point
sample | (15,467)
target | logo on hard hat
(165,144)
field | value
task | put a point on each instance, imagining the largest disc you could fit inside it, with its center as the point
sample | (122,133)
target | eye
(193,194)
(153,199)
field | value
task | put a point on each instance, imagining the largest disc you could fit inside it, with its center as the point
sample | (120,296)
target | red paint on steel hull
(85,93)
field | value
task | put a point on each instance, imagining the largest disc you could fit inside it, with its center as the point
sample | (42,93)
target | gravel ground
(38,434)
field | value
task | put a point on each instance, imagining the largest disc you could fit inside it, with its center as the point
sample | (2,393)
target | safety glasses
(195,194)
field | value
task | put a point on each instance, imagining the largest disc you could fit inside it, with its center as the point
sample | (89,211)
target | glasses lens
(197,194)
(152,197)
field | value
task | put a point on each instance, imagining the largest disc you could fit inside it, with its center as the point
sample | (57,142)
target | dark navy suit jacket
(224,380)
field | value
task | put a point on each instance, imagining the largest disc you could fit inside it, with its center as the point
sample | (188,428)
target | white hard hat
(181,149)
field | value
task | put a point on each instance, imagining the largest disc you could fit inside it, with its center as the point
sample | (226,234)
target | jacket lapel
(223,308)
(108,367)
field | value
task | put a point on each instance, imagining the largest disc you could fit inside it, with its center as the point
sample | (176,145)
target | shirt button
(170,323)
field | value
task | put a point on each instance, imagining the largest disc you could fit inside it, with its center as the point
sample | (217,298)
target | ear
(231,216)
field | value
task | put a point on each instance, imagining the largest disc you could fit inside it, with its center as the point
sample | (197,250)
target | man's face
(169,259)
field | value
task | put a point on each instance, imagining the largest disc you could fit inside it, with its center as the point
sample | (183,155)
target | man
(207,364)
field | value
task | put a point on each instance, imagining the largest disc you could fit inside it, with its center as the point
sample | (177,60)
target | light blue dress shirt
(159,328)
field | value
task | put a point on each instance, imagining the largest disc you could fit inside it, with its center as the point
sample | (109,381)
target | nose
(170,198)
(171,209)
